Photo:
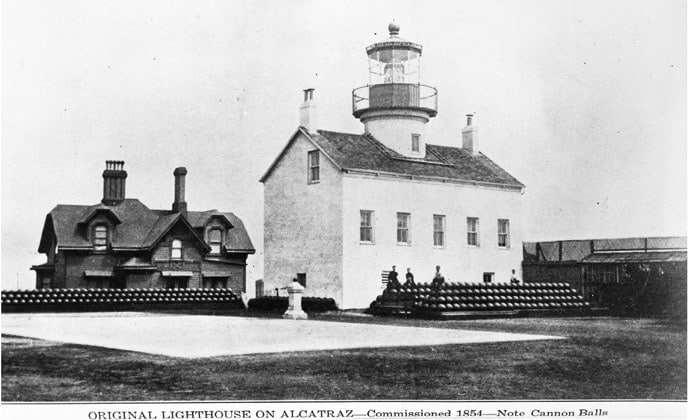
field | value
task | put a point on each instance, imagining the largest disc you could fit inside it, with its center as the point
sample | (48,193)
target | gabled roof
(164,225)
(236,239)
(92,211)
(140,228)
(286,147)
(202,218)
(364,153)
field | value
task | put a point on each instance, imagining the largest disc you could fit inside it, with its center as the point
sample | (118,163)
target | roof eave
(240,251)
(43,267)
(518,186)
(76,247)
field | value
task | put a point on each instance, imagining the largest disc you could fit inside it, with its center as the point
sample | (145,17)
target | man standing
(409,278)
(393,279)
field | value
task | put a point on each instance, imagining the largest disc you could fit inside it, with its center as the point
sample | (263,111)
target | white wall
(395,130)
(302,224)
(363,263)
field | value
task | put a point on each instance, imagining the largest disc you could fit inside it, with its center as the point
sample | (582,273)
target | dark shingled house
(647,273)
(121,243)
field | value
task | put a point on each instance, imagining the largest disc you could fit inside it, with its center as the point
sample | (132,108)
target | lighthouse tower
(395,106)
(342,208)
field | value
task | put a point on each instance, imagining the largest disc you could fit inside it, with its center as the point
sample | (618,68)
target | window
(438,230)
(313,166)
(215,240)
(47,283)
(403,223)
(100,237)
(415,142)
(472,229)
(503,233)
(301,279)
(214,282)
(101,283)
(176,251)
(366,226)
(488,277)
(177,283)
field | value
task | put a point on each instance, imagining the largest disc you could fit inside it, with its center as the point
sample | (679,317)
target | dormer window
(100,238)
(215,240)
(176,250)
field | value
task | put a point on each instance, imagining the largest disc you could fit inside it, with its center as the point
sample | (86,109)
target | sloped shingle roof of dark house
(362,152)
(601,250)
(139,227)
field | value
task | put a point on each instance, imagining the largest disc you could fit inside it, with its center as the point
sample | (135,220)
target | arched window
(176,251)
(100,237)
(215,240)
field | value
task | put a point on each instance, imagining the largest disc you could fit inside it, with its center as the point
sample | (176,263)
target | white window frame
(441,233)
(505,234)
(313,166)
(100,243)
(403,229)
(370,227)
(473,233)
(213,244)
(174,248)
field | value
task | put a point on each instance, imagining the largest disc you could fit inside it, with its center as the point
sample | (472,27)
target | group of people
(393,278)
(437,280)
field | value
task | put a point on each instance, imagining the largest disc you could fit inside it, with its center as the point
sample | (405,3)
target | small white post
(295,291)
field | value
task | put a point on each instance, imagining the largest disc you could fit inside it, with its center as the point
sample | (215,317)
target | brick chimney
(114,182)
(470,136)
(308,112)
(179,205)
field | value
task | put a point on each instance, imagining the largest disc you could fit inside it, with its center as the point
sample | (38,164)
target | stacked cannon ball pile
(66,300)
(473,297)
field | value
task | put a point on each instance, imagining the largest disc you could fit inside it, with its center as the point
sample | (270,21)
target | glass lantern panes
(394,65)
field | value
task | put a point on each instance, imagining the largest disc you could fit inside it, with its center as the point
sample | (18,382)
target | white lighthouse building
(341,209)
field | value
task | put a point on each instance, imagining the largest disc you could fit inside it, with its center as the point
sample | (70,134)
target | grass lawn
(604,358)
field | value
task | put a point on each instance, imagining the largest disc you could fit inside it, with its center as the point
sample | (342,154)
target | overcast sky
(582,101)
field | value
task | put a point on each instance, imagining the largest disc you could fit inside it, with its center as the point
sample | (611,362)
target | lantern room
(394,60)
(394,105)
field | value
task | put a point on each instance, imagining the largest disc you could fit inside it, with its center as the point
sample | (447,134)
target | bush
(281,303)
(663,299)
